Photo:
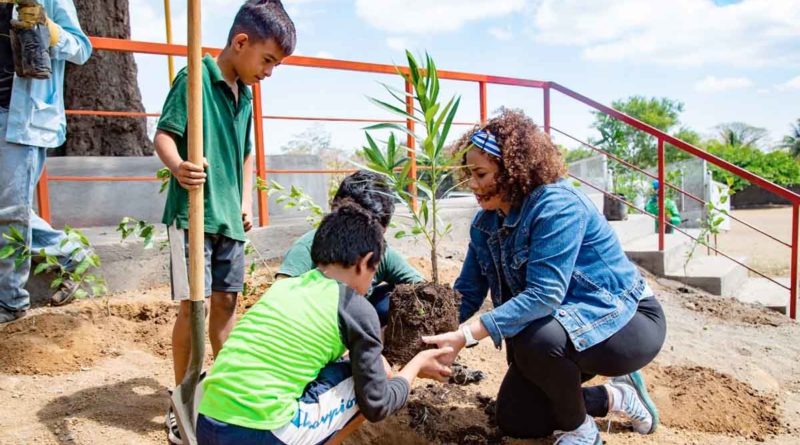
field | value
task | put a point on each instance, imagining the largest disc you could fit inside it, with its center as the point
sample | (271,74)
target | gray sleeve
(377,395)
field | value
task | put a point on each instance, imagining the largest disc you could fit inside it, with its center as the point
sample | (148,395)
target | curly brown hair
(529,160)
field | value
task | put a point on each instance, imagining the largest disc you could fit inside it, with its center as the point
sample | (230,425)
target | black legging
(542,392)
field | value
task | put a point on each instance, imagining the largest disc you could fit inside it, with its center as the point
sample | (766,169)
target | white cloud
(398,43)
(431,17)
(675,33)
(503,34)
(712,84)
(792,84)
(324,55)
(147,24)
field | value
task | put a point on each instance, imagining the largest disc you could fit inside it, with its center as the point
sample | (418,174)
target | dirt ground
(97,372)
(764,254)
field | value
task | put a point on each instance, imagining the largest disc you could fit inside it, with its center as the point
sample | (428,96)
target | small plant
(142,229)
(82,275)
(251,251)
(392,162)
(627,185)
(295,198)
(710,225)
(164,175)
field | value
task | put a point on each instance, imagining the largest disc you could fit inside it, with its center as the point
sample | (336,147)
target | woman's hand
(454,340)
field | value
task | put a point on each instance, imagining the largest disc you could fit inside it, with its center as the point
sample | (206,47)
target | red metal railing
(109,44)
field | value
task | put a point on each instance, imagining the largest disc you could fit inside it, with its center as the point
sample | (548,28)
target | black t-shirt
(6,56)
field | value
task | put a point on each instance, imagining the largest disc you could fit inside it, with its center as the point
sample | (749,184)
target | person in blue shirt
(31,121)
(567,301)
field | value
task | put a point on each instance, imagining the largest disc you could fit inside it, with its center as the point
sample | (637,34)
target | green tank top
(273,352)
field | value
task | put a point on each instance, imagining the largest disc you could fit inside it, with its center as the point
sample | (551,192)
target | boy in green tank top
(281,379)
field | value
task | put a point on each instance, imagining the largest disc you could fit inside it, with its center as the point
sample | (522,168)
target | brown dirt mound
(416,310)
(730,309)
(701,399)
(58,342)
(445,414)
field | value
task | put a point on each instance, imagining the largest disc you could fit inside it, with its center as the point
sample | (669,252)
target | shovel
(183,398)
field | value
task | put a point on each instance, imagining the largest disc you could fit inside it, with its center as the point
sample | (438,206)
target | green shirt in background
(226,143)
(393,268)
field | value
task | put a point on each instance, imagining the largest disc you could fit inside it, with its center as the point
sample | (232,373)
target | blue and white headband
(486,142)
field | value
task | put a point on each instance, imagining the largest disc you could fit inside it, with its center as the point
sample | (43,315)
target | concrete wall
(593,170)
(753,196)
(126,266)
(92,204)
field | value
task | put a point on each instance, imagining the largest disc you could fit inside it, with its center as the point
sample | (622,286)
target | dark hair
(530,158)
(264,20)
(370,191)
(346,235)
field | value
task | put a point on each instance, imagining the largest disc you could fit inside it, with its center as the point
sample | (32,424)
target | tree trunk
(107,82)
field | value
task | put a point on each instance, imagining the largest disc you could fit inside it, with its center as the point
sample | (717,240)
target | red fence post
(546,92)
(43,196)
(662,185)
(261,163)
(411,143)
(793,291)
(482,101)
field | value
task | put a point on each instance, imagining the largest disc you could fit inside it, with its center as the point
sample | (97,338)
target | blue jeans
(379,298)
(20,169)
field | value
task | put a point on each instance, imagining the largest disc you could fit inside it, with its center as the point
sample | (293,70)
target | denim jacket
(36,112)
(555,255)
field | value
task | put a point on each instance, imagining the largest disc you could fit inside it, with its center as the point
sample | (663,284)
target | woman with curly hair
(567,301)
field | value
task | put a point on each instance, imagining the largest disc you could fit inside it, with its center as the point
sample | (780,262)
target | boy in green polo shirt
(281,378)
(262,35)
(369,190)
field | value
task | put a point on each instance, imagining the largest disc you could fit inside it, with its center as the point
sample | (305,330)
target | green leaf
(16,235)
(400,234)
(7,251)
(413,68)
(393,126)
(83,266)
(81,294)
(397,93)
(395,110)
(56,282)
(448,124)
(424,211)
(40,268)
(98,289)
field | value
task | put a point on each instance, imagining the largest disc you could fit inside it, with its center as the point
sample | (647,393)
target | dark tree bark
(107,82)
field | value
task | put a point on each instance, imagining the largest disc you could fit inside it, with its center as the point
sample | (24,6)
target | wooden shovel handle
(195,142)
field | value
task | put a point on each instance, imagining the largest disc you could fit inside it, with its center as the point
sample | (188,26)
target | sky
(726,60)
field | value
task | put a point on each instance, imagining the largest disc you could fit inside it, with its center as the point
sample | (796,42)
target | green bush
(776,166)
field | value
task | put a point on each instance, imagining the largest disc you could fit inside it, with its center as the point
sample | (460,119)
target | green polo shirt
(226,143)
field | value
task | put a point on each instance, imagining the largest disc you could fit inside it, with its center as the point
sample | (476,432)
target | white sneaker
(636,402)
(173,432)
(586,434)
